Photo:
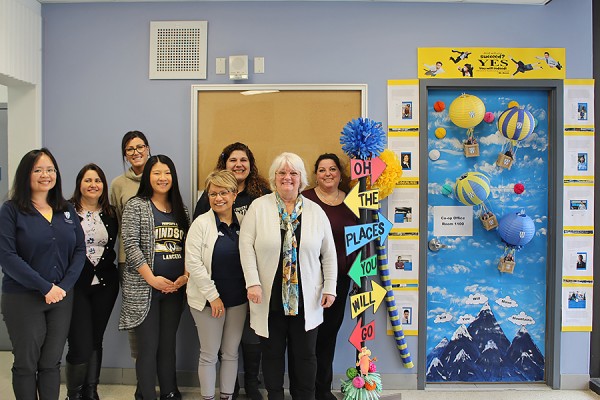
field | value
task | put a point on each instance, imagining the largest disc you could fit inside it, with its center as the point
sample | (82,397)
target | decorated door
(487,235)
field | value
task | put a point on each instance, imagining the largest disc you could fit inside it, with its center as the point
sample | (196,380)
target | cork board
(307,122)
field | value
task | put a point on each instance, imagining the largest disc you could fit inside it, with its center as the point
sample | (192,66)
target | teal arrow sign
(360,268)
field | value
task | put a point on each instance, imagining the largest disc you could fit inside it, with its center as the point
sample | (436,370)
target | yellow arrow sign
(355,200)
(361,301)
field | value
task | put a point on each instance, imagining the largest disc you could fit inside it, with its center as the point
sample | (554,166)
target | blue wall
(96,86)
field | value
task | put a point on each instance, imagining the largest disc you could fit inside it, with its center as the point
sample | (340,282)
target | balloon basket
(506,266)
(488,220)
(471,150)
(504,161)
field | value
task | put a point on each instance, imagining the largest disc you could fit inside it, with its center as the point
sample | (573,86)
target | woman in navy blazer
(42,251)
(98,285)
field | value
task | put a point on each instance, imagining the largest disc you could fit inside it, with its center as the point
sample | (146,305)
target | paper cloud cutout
(521,319)
(465,319)
(507,302)
(477,298)
(444,317)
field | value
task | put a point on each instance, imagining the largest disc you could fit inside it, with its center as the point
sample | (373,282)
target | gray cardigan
(138,241)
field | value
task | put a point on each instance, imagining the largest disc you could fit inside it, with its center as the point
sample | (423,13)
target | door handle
(436,245)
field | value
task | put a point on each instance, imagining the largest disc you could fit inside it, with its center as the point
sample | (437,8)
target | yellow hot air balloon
(466,111)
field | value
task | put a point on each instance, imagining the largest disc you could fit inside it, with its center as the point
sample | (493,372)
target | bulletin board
(270,119)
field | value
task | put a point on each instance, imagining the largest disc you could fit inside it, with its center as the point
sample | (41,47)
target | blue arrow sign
(356,236)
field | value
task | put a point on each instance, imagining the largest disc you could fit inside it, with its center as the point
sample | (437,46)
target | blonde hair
(224,178)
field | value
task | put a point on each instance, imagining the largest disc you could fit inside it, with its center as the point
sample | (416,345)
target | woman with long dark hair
(42,251)
(155,223)
(97,288)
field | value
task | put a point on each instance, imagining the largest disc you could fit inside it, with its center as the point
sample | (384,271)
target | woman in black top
(98,285)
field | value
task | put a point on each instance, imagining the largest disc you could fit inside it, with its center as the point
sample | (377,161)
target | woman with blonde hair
(216,290)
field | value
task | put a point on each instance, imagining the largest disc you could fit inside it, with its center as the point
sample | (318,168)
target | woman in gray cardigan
(155,223)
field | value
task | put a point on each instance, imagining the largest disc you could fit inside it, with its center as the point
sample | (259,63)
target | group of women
(263,264)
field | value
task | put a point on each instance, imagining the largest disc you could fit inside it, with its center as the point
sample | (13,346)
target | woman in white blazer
(216,289)
(290,266)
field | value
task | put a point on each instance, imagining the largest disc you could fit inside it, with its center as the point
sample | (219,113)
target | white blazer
(260,248)
(199,246)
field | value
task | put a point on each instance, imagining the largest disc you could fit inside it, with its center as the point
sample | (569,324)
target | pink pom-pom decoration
(488,117)
(372,367)
(519,188)
(358,382)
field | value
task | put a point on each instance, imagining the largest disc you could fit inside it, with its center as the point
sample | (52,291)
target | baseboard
(574,381)
(126,376)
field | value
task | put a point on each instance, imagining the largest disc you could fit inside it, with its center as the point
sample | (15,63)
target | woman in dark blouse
(42,251)
(98,285)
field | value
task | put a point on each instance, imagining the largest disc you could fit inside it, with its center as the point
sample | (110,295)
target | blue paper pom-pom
(363,138)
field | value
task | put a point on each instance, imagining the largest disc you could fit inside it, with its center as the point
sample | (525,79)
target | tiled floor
(433,392)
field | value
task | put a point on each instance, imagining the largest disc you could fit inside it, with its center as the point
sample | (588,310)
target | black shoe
(171,396)
(325,396)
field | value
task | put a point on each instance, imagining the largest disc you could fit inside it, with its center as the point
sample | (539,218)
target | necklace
(161,208)
(323,196)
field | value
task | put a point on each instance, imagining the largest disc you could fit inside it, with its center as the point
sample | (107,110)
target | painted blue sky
(463,278)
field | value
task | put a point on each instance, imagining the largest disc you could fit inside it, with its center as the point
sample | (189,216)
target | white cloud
(496,138)
(442,318)
(507,302)
(437,290)
(521,319)
(477,298)
(465,319)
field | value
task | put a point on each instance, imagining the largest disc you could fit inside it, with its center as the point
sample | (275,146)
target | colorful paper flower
(390,175)
(519,188)
(362,138)
(358,382)
(351,373)
(372,367)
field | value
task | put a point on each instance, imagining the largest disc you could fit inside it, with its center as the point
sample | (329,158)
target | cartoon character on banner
(516,230)
(515,124)
(473,189)
(467,111)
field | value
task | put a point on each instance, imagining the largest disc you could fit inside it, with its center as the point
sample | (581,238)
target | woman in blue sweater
(42,251)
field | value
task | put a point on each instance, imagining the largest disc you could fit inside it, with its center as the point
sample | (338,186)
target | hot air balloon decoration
(473,189)
(516,230)
(467,111)
(515,124)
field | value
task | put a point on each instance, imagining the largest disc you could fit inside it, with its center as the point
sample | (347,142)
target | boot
(252,355)
(75,374)
(90,388)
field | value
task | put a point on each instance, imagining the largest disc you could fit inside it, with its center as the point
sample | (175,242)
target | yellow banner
(489,62)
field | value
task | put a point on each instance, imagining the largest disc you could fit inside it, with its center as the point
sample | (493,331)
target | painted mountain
(481,352)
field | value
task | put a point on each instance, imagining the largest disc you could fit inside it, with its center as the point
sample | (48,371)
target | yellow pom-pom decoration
(390,175)
(513,104)
(466,111)
(440,133)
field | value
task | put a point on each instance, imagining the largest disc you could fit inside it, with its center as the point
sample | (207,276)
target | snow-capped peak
(461,356)
(460,332)
(490,345)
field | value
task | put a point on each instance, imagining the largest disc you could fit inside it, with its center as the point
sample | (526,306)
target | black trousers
(288,332)
(156,342)
(38,332)
(327,336)
(92,307)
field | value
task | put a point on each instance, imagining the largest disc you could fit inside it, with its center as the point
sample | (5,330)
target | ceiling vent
(178,49)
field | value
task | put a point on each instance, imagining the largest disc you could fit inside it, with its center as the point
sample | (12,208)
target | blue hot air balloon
(516,228)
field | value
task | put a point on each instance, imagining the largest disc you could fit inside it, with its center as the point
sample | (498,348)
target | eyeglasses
(224,193)
(283,174)
(140,148)
(48,171)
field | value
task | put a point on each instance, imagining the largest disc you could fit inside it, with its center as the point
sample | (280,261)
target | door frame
(555,211)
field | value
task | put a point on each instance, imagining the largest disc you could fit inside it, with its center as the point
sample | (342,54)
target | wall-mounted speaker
(238,67)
